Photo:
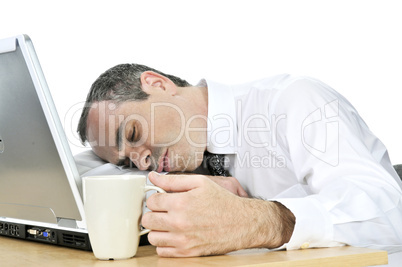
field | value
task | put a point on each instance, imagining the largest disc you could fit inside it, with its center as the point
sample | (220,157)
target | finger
(167,252)
(164,202)
(158,221)
(170,252)
(175,183)
(156,203)
(238,189)
(162,239)
(241,192)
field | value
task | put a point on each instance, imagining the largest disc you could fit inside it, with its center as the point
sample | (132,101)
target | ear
(151,81)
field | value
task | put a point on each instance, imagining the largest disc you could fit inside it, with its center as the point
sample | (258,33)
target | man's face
(154,134)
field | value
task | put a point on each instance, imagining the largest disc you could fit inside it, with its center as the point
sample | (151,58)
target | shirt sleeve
(356,194)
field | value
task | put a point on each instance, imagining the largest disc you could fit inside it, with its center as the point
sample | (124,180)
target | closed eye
(133,135)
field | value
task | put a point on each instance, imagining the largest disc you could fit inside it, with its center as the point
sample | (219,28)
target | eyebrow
(119,141)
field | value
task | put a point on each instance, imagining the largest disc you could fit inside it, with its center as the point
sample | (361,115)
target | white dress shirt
(297,141)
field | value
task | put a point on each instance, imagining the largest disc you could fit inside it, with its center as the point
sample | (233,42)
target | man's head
(136,114)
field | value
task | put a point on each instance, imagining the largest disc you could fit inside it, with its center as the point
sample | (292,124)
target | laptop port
(34,232)
(47,233)
(42,234)
(12,229)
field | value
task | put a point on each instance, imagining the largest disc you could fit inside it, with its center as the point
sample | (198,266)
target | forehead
(102,120)
(102,125)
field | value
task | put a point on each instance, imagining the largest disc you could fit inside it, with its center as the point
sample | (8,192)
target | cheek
(106,153)
(192,157)
(195,138)
(168,131)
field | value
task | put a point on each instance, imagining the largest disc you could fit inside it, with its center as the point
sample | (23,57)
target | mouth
(164,163)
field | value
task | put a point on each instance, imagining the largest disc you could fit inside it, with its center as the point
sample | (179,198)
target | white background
(354,46)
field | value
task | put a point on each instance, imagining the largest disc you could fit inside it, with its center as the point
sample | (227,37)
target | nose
(141,157)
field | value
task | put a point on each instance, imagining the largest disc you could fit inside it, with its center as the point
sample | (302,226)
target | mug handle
(148,188)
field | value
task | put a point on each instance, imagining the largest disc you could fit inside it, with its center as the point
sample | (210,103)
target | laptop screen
(34,182)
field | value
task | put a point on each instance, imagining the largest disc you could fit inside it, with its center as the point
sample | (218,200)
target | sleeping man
(297,166)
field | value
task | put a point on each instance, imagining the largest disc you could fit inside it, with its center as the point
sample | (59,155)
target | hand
(229,183)
(202,218)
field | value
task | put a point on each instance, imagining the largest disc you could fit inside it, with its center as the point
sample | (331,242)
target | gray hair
(119,84)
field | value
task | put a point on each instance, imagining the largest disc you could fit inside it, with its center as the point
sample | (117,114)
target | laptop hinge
(62,222)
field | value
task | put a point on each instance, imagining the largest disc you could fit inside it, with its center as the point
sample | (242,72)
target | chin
(185,164)
(184,169)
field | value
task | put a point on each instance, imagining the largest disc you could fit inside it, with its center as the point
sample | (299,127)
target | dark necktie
(215,164)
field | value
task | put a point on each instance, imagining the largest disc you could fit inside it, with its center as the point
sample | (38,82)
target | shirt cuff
(313,226)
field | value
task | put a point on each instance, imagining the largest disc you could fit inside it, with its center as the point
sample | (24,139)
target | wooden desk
(14,252)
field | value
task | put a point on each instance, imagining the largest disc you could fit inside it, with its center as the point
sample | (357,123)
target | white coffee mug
(113,207)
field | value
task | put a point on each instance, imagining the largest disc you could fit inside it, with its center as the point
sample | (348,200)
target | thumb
(174,183)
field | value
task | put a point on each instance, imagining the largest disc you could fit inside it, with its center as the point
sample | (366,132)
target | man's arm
(354,195)
(201,218)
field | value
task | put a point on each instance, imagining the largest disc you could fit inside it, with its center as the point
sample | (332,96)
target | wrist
(271,223)
(287,222)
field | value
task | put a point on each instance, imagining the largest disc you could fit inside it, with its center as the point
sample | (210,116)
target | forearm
(271,223)
(200,218)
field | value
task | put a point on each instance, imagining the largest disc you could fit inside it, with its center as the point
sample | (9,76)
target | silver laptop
(40,188)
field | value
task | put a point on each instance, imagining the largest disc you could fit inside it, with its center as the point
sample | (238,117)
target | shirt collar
(222,123)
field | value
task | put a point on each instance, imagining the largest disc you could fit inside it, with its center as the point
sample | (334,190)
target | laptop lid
(39,181)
